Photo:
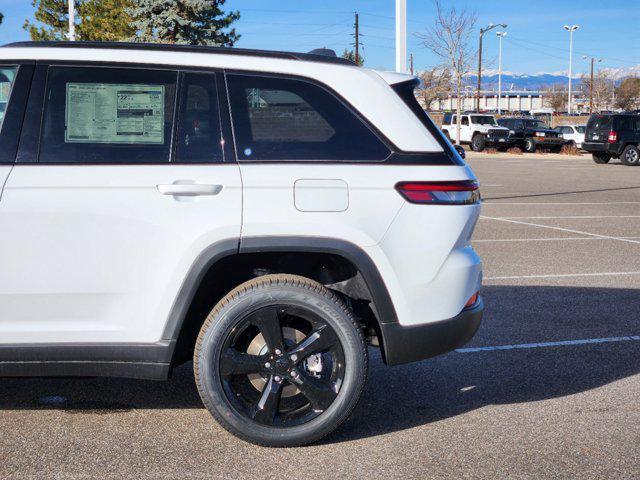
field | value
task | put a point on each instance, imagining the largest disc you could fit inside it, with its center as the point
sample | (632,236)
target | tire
(600,158)
(264,403)
(631,156)
(478,142)
(529,145)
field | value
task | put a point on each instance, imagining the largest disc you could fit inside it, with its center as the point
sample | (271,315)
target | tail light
(460,192)
(613,137)
(472,301)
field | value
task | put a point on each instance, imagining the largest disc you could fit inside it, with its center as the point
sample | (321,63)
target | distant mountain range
(538,81)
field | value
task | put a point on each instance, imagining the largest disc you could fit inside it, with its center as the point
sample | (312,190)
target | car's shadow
(407,396)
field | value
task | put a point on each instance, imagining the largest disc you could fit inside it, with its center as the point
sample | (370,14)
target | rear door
(15,80)
(113,196)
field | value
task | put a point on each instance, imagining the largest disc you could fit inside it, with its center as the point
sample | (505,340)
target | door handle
(189,189)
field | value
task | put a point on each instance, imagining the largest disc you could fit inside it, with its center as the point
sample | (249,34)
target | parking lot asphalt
(549,387)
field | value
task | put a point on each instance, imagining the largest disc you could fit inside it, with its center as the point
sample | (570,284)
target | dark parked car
(531,134)
(613,136)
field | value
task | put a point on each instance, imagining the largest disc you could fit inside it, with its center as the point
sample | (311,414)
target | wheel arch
(207,274)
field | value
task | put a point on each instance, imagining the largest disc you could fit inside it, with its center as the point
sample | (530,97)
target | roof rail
(313,56)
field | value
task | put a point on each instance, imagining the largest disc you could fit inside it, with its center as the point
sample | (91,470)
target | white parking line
(569,230)
(562,275)
(589,341)
(551,239)
(573,217)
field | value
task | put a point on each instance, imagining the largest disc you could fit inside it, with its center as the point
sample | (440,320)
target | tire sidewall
(529,145)
(623,157)
(208,358)
(478,142)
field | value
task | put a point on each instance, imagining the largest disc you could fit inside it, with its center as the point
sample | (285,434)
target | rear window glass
(7,76)
(599,123)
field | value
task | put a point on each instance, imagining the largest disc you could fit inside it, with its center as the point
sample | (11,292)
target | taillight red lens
(472,301)
(459,192)
(613,137)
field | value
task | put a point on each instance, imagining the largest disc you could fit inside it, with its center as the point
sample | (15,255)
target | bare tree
(555,97)
(434,83)
(628,94)
(450,38)
(600,90)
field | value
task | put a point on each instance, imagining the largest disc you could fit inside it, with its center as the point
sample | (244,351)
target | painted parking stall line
(563,343)
(561,275)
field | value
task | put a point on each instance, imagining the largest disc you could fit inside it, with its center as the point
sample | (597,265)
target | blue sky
(535,42)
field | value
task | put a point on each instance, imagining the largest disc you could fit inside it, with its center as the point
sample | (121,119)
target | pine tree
(194,22)
(351,55)
(97,20)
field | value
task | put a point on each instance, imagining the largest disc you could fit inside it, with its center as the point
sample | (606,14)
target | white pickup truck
(479,130)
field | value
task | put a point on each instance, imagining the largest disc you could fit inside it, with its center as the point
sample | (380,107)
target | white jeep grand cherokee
(265,214)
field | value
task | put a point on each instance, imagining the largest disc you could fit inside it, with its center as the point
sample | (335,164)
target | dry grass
(515,151)
(570,149)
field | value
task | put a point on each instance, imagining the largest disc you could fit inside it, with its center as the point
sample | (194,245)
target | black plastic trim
(147,361)
(347,250)
(190,285)
(246,52)
(402,344)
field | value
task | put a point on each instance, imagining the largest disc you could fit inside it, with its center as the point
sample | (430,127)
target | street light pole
(72,20)
(500,36)
(482,32)
(570,29)
(401,36)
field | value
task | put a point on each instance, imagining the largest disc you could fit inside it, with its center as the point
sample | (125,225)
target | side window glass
(286,119)
(108,115)
(7,77)
(464,121)
(519,125)
(199,135)
(454,120)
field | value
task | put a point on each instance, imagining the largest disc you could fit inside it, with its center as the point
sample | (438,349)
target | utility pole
(411,63)
(401,36)
(570,29)
(482,32)
(357,25)
(72,20)
(593,60)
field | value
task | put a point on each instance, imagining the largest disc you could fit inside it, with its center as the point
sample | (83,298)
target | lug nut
(278,351)
(294,374)
(294,358)
(277,378)
(267,365)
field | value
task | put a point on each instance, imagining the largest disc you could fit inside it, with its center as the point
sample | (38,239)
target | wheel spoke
(320,394)
(267,320)
(267,408)
(319,340)
(234,362)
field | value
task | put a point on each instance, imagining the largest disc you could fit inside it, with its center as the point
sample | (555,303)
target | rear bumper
(601,147)
(405,344)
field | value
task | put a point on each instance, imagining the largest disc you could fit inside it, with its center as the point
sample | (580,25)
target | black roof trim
(309,57)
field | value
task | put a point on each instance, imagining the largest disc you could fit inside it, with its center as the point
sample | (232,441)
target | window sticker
(111,113)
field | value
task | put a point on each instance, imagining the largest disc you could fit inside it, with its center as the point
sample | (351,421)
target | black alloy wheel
(282,365)
(280,361)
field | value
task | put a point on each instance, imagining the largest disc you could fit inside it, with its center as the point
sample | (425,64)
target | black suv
(531,133)
(613,136)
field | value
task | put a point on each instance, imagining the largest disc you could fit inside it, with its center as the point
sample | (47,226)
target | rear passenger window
(286,119)
(107,115)
(199,132)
